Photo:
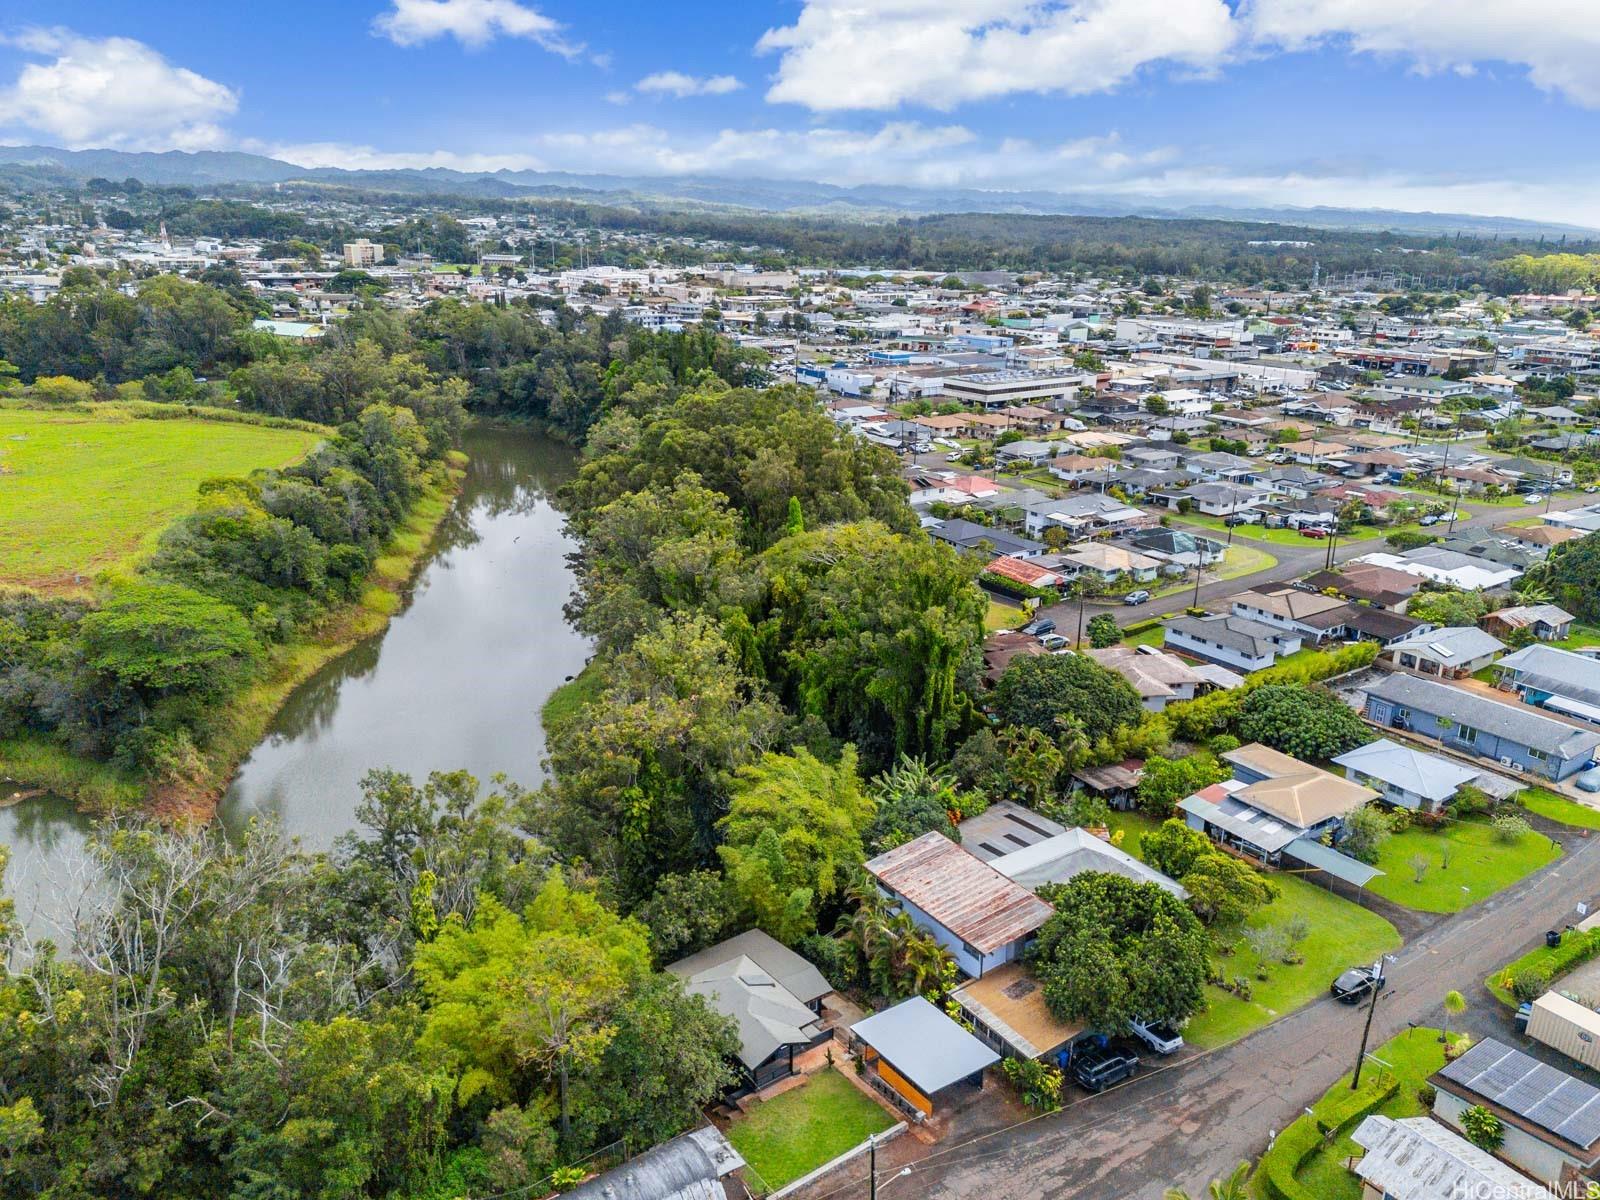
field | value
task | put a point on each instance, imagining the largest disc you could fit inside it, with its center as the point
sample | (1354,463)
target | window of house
(1466,733)
(1537,755)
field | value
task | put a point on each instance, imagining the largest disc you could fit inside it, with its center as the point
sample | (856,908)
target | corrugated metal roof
(1324,858)
(960,891)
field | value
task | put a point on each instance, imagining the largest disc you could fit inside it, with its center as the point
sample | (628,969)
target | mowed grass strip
(1343,934)
(799,1130)
(1479,865)
(79,493)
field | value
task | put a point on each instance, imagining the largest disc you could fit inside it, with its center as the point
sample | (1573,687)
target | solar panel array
(1550,1098)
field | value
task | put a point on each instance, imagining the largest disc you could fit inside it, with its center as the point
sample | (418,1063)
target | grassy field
(567,700)
(1559,809)
(1479,866)
(1411,1058)
(79,493)
(103,788)
(803,1128)
(1581,636)
(1555,961)
(1342,934)
(1001,616)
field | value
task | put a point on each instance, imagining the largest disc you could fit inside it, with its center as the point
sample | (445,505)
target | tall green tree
(1038,690)
(792,835)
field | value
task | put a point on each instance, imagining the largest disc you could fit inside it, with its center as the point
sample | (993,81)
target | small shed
(1565,1025)
(920,1057)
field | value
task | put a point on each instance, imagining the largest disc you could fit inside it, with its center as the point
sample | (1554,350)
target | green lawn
(1342,935)
(1001,616)
(1575,948)
(1411,1058)
(1284,537)
(1479,865)
(1581,636)
(796,1132)
(1558,808)
(79,493)
(1154,636)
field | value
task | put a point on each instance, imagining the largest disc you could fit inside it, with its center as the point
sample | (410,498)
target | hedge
(1307,1134)
(1022,591)
(1575,948)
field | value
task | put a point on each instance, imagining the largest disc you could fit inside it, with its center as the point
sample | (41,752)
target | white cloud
(843,54)
(676,83)
(1557,41)
(473,23)
(113,92)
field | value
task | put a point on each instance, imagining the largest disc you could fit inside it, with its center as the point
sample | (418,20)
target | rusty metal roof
(960,891)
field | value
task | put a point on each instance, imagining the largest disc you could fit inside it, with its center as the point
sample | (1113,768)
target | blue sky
(1467,105)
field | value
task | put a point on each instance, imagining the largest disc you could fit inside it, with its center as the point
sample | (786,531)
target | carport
(1331,863)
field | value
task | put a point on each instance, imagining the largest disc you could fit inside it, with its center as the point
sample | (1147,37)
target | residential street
(1192,1121)
(1293,563)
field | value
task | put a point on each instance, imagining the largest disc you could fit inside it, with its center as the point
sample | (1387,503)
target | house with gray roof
(1417,1158)
(918,1057)
(772,994)
(1405,776)
(1451,653)
(1546,622)
(973,538)
(1555,679)
(1062,858)
(1513,735)
(1231,641)
(693,1166)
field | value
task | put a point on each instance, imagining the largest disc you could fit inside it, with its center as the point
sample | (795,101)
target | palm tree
(1454,1005)
(1231,1188)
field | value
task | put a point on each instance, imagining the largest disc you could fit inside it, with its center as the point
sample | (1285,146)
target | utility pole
(1361,1055)
(872,1168)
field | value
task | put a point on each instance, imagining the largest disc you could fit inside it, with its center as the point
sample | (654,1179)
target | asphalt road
(1188,1122)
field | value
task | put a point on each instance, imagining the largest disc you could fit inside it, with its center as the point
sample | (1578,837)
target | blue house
(971,909)
(1512,735)
(1556,679)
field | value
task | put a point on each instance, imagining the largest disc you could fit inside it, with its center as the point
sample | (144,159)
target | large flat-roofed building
(1003,389)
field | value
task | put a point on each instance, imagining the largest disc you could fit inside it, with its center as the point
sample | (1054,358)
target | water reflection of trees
(314,703)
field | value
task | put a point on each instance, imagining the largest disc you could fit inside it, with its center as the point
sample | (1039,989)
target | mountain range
(32,167)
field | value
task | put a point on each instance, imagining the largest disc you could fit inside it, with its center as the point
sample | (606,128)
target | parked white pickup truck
(1163,1039)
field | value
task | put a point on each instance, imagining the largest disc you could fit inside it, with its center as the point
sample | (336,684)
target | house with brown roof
(1380,586)
(1276,805)
(1000,647)
(982,918)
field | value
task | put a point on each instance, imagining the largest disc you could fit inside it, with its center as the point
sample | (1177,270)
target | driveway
(1185,1123)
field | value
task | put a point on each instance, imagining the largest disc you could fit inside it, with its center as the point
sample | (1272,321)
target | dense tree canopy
(1037,689)
(1310,723)
(1116,951)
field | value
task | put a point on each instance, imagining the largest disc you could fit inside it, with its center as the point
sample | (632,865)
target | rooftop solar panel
(1550,1098)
